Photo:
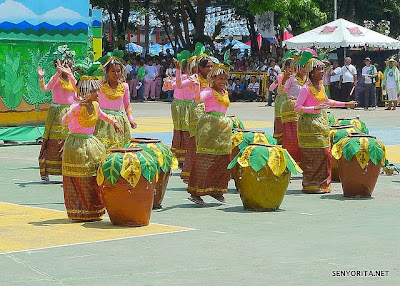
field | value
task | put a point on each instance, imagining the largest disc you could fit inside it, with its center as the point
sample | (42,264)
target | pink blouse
(211,103)
(171,85)
(306,101)
(117,104)
(59,95)
(292,87)
(190,90)
(72,118)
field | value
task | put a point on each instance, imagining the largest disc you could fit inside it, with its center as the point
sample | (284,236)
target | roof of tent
(341,33)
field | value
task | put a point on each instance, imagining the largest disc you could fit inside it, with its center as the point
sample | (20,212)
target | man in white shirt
(150,80)
(335,73)
(369,74)
(348,80)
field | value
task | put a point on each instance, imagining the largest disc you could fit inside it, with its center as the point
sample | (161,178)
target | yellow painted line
(27,228)
(164,124)
(393,153)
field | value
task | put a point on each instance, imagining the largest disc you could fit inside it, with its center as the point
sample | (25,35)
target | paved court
(304,243)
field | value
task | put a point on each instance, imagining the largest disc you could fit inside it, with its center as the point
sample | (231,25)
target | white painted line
(306,214)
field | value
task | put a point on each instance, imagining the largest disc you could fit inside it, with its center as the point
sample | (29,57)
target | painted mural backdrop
(30,32)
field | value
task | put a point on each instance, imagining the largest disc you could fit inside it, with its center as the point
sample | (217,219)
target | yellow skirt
(279,100)
(287,111)
(313,130)
(195,112)
(180,113)
(213,134)
(54,129)
(106,133)
(82,155)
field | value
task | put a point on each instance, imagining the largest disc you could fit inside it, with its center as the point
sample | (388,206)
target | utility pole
(334,9)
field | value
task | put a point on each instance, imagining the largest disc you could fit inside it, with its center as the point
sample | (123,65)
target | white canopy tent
(341,33)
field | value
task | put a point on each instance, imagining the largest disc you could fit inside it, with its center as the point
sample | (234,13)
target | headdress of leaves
(115,55)
(64,52)
(86,69)
(305,57)
(288,55)
(183,57)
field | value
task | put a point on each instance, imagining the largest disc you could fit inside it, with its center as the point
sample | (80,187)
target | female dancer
(114,101)
(83,152)
(289,116)
(281,97)
(209,174)
(313,130)
(62,86)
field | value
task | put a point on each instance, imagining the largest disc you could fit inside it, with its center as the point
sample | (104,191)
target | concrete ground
(311,240)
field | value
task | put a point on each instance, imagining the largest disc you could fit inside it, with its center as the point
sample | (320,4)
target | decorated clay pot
(242,138)
(355,121)
(236,122)
(165,159)
(360,157)
(336,133)
(128,178)
(263,176)
(331,118)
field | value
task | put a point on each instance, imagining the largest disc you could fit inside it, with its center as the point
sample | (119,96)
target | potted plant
(336,133)
(242,138)
(355,121)
(166,161)
(263,175)
(128,178)
(360,157)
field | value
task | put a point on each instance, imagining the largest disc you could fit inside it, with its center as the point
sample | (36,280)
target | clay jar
(127,205)
(236,151)
(349,129)
(262,190)
(163,178)
(356,181)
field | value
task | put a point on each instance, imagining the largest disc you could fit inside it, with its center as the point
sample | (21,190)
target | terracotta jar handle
(352,135)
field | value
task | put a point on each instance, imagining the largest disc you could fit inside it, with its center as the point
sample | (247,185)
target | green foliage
(259,158)
(112,168)
(248,138)
(34,95)
(148,164)
(351,148)
(375,151)
(167,156)
(13,82)
(289,163)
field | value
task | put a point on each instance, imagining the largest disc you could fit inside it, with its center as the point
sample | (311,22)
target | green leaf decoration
(289,163)
(199,49)
(305,57)
(364,128)
(167,155)
(259,158)
(345,122)
(375,151)
(149,151)
(118,54)
(112,168)
(341,133)
(271,140)
(331,119)
(227,55)
(207,52)
(95,66)
(234,161)
(184,55)
(351,148)
(148,165)
(248,138)
(105,58)
(288,54)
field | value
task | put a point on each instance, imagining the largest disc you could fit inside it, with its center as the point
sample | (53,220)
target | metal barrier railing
(262,79)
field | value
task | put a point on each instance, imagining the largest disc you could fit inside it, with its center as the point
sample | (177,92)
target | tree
(119,11)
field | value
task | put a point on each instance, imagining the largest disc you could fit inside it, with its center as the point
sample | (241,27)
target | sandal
(45,178)
(219,198)
(197,200)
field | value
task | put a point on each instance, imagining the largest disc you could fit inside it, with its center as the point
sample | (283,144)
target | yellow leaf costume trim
(113,94)
(131,169)
(66,85)
(318,94)
(222,98)
(85,118)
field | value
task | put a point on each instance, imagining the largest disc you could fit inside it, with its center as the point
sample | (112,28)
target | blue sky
(42,6)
